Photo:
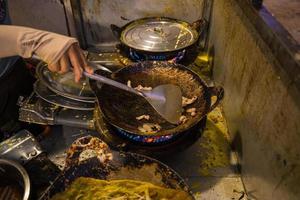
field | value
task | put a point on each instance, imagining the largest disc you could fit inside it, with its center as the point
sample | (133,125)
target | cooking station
(204,158)
(237,65)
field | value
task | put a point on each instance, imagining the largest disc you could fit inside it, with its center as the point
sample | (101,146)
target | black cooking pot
(159,38)
(121,108)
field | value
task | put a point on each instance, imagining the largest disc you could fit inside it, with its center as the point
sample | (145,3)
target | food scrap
(140,87)
(150,128)
(187,101)
(154,128)
(129,83)
(146,117)
(89,147)
(192,111)
(183,119)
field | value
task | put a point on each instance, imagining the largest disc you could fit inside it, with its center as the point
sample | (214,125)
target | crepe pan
(124,165)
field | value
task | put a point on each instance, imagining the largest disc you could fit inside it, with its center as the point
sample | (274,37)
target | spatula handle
(108,81)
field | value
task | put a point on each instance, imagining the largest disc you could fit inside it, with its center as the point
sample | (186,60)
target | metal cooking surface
(122,165)
(208,165)
(159,36)
(22,147)
(43,92)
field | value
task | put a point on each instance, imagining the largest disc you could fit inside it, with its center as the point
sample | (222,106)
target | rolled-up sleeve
(23,41)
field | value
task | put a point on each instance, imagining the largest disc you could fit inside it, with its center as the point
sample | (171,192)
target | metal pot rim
(41,67)
(209,91)
(24,174)
(133,23)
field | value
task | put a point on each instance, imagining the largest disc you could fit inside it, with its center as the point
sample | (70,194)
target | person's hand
(72,59)
(62,53)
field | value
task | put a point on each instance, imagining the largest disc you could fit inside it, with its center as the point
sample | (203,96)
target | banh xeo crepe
(91,189)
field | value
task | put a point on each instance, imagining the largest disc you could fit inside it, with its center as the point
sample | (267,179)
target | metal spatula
(165,99)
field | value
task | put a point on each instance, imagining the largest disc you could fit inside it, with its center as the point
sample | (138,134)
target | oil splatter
(214,148)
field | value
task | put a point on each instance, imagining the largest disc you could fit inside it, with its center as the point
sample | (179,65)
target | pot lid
(65,84)
(159,35)
(48,95)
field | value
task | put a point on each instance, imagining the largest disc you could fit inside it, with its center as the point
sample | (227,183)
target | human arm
(60,52)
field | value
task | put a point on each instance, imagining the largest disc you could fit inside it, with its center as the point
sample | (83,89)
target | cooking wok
(159,38)
(121,108)
(122,166)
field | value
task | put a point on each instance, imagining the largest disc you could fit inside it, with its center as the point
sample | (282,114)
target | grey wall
(261,106)
(43,14)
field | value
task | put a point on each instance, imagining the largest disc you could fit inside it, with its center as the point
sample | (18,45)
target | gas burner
(144,139)
(155,145)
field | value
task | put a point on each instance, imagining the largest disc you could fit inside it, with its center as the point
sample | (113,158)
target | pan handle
(199,25)
(217,92)
(82,144)
(116,30)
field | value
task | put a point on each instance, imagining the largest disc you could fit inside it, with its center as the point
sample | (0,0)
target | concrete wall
(290,20)
(261,106)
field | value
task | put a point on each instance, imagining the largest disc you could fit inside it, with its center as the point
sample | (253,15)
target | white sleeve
(23,41)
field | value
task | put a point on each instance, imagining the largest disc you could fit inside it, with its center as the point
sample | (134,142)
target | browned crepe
(91,189)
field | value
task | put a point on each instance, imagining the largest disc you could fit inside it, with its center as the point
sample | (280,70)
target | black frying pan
(122,166)
(121,108)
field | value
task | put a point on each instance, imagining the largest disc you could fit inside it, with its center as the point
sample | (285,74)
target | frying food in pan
(154,128)
(120,108)
(92,189)
(126,174)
